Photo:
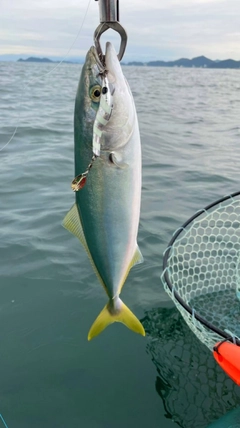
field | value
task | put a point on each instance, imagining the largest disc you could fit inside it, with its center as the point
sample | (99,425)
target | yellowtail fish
(106,214)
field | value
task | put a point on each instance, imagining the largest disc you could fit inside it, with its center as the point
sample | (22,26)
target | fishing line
(47,74)
(1,417)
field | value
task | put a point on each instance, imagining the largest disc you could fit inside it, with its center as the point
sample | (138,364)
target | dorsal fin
(73,224)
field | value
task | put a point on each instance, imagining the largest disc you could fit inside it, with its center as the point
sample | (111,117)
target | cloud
(166,29)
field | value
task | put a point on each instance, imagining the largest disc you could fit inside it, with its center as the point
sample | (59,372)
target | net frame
(198,323)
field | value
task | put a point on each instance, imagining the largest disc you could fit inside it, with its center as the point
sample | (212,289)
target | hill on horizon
(36,59)
(198,62)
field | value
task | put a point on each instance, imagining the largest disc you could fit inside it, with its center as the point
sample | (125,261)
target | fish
(108,169)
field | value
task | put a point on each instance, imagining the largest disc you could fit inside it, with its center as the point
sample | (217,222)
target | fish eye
(95,93)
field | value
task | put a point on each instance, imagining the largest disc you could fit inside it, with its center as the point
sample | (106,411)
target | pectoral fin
(116,159)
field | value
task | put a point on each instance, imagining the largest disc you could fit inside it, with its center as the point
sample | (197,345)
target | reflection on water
(230,420)
(194,390)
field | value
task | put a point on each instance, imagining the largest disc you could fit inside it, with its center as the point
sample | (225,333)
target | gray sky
(157,29)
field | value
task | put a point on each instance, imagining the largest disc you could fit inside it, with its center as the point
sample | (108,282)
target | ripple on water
(186,160)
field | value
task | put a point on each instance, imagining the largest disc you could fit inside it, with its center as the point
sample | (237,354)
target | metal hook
(109,10)
(114,26)
(109,18)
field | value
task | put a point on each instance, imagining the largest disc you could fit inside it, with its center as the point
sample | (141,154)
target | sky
(157,29)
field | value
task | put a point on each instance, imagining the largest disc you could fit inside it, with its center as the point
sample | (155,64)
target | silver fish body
(108,206)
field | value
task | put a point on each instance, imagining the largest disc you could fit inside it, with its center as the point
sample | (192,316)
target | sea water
(51,376)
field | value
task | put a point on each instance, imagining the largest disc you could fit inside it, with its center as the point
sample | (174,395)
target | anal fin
(137,258)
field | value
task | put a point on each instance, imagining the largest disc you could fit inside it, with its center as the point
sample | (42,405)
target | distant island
(35,59)
(198,62)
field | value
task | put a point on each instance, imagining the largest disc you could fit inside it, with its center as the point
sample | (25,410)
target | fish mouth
(112,63)
(110,51)
(111,66)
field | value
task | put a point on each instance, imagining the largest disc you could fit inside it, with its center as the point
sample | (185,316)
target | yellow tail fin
(115,311)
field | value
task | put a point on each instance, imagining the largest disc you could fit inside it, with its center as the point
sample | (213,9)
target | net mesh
(203,266)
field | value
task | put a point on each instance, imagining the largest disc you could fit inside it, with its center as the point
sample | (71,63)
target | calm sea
(51,376)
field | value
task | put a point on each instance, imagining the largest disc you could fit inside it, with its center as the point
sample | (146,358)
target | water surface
(51,375)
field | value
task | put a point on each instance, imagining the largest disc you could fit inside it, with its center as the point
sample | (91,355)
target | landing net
(201,271)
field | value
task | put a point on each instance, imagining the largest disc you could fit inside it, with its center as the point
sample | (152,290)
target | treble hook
(109,18)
